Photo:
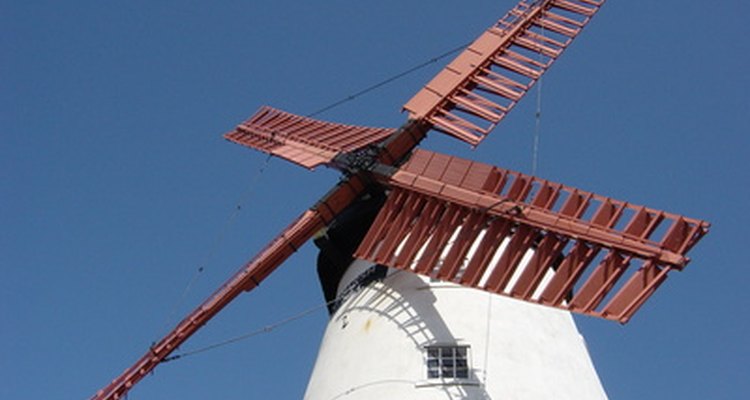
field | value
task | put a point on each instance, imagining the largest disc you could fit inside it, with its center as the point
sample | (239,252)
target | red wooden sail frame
(506,232)
(302,140)
(478,89)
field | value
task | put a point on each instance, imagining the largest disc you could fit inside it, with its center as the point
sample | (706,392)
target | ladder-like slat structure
(304,141)
(478,89)
(525,237)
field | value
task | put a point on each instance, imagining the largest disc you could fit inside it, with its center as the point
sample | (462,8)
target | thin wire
(379,85)
(387,81)
(244,198)
(487,340)
(270,328)
(538,123)
(263,330)
(537,129)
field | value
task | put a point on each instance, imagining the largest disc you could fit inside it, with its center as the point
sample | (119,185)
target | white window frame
(448,363)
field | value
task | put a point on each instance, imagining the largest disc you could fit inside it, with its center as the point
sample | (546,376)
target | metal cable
(263,330)
(538,120)
(270,328)
(244,198)
(487,338)
(537,129)
(388,80)
(378,85)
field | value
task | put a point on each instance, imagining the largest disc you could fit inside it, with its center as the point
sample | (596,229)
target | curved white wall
(373,347)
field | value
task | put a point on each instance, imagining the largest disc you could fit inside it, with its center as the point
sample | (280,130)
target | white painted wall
(373,345)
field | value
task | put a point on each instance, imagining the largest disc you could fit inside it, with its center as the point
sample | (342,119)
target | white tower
(407,337)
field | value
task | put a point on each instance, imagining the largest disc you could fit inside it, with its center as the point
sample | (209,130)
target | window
(448,362)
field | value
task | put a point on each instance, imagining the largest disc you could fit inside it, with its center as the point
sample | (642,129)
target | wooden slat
(381,224)
(420,233)
(545,255)
(635,292)
(457,253)
(448,224)
(519,244)
(568,273)
(497,231)
(398,228)
(604,277)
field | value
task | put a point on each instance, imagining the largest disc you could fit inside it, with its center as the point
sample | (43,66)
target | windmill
(426,219)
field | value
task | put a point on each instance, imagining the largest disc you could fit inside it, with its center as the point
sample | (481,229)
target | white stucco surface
(373,347)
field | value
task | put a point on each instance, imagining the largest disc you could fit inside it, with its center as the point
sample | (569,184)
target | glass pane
(447,362)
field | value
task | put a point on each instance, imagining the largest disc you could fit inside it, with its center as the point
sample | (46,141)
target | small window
(448,362)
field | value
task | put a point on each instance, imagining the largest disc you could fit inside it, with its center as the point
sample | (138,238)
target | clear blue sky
(115,182)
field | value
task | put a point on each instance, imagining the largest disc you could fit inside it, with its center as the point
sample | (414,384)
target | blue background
(116,186)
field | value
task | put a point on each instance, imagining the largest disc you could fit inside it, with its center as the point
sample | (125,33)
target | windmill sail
(477,90)
(302,140)
(508,233)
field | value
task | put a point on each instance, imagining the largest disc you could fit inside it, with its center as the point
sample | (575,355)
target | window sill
(446,382)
